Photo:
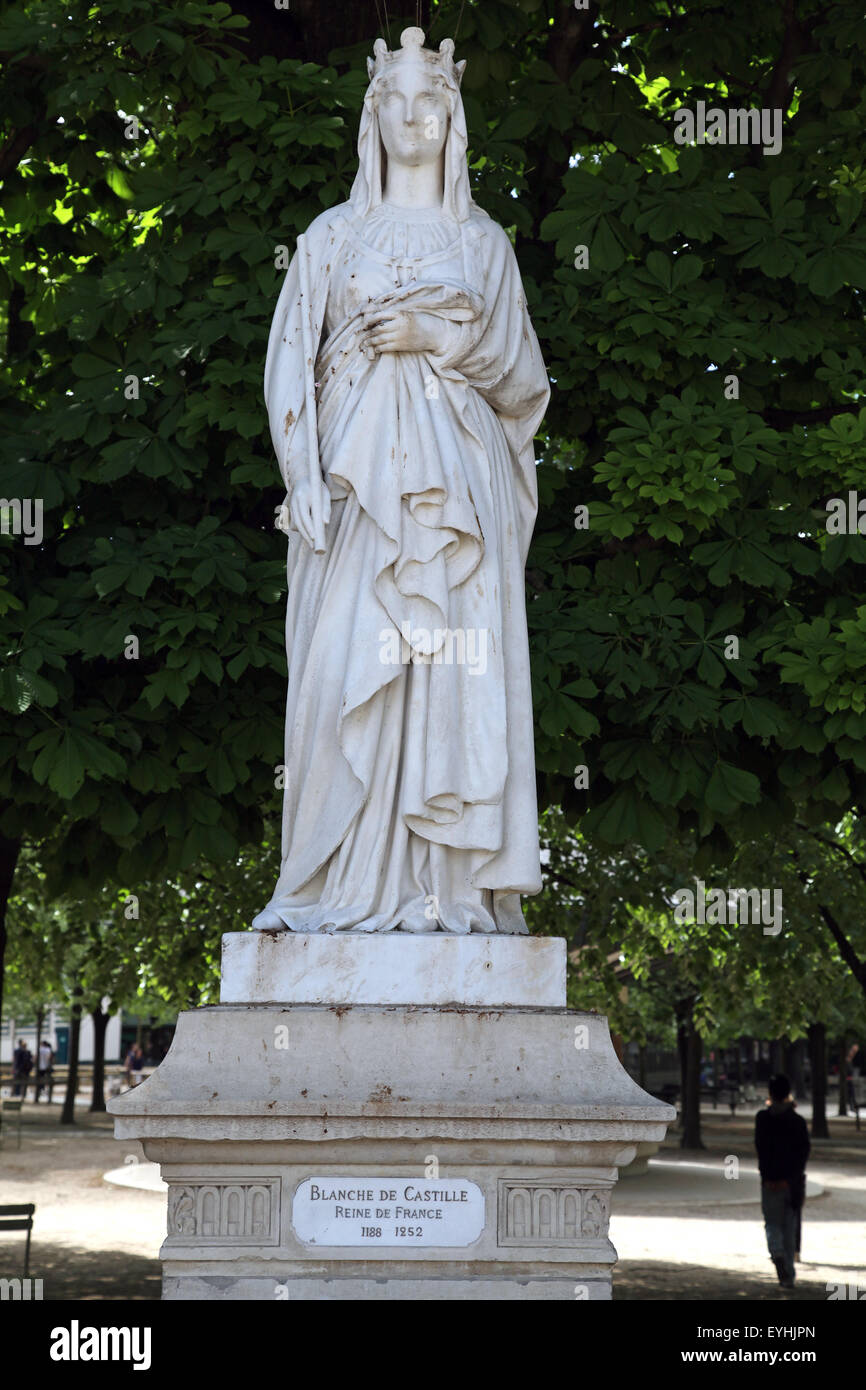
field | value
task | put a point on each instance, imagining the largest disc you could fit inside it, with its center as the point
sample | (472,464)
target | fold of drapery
(427,553)
(417,491)
(428,460)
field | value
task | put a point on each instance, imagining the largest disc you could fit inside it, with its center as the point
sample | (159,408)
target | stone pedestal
(373,1147)
(484,971)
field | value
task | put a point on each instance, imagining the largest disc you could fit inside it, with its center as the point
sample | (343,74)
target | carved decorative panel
(535,1212)
(223,1211)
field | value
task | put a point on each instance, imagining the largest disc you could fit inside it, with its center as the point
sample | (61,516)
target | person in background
(782,1144)
(22,1065)
(134,1064)
(853,1102)
(44,1069)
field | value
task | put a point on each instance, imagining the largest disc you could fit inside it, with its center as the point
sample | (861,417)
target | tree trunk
(100,1024)
(40,1019)
(798,1087)
(843,1076)
(777,1056)
(689,1047)
(641,1066)
(67,1115)
(9,851)
(818,1059)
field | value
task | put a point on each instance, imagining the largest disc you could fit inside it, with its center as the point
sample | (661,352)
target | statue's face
(413,112)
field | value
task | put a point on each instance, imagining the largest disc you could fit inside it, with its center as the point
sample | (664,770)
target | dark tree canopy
(156,157)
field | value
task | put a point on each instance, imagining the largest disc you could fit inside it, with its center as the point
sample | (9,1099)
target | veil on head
(367,189)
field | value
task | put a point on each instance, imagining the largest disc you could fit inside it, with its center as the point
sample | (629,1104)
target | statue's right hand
(301,510)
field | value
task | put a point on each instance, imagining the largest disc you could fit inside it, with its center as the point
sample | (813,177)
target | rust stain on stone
(290,420)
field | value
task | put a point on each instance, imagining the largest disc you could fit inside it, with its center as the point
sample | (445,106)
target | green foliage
(149,258)
(154,257)
(707,514)
(153,947)
(633,959)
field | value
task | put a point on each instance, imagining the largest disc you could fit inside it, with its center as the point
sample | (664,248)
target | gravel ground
(94,1240)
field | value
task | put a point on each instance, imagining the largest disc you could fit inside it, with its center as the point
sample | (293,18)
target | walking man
(782,1142)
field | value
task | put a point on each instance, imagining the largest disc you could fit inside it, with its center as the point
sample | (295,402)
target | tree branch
(833,844)
(778,93)
(846,950)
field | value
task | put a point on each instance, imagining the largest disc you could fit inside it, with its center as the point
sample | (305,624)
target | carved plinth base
(389,1153)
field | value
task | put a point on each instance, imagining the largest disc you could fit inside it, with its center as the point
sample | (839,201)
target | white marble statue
(404,386)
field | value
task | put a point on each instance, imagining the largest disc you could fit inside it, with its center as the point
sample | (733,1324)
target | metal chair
(19,1218)
(14,1107)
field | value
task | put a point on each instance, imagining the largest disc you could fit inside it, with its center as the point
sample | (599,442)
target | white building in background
(55,1027)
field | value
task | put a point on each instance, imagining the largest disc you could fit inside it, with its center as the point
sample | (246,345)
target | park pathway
(98,1240)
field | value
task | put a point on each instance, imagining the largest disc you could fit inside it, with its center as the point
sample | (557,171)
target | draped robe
(409,797)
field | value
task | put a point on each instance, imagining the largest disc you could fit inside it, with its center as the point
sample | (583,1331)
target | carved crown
(412,47)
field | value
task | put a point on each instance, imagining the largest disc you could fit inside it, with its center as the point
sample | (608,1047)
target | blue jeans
(780,1224)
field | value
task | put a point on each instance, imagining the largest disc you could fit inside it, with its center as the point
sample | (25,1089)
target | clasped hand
(385,330)
(403,330)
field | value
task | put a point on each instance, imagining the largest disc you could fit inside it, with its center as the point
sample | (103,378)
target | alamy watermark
(20,1290)
(439,646)
(846,516)
(755,906)
(77,1343)
(22,516)
(738,126)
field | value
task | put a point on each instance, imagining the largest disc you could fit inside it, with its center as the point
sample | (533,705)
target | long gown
(409,768)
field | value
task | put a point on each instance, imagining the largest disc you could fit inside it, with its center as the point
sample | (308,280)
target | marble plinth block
(388,968)
(389,1151)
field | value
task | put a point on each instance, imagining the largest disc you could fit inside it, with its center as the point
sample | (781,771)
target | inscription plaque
(385,1211)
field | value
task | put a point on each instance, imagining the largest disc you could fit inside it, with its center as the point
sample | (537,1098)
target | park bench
(19,1218)
(114,1080)
(670,1094)
(732,1095)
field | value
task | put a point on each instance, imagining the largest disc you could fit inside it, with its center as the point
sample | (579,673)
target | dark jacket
(782,1142)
